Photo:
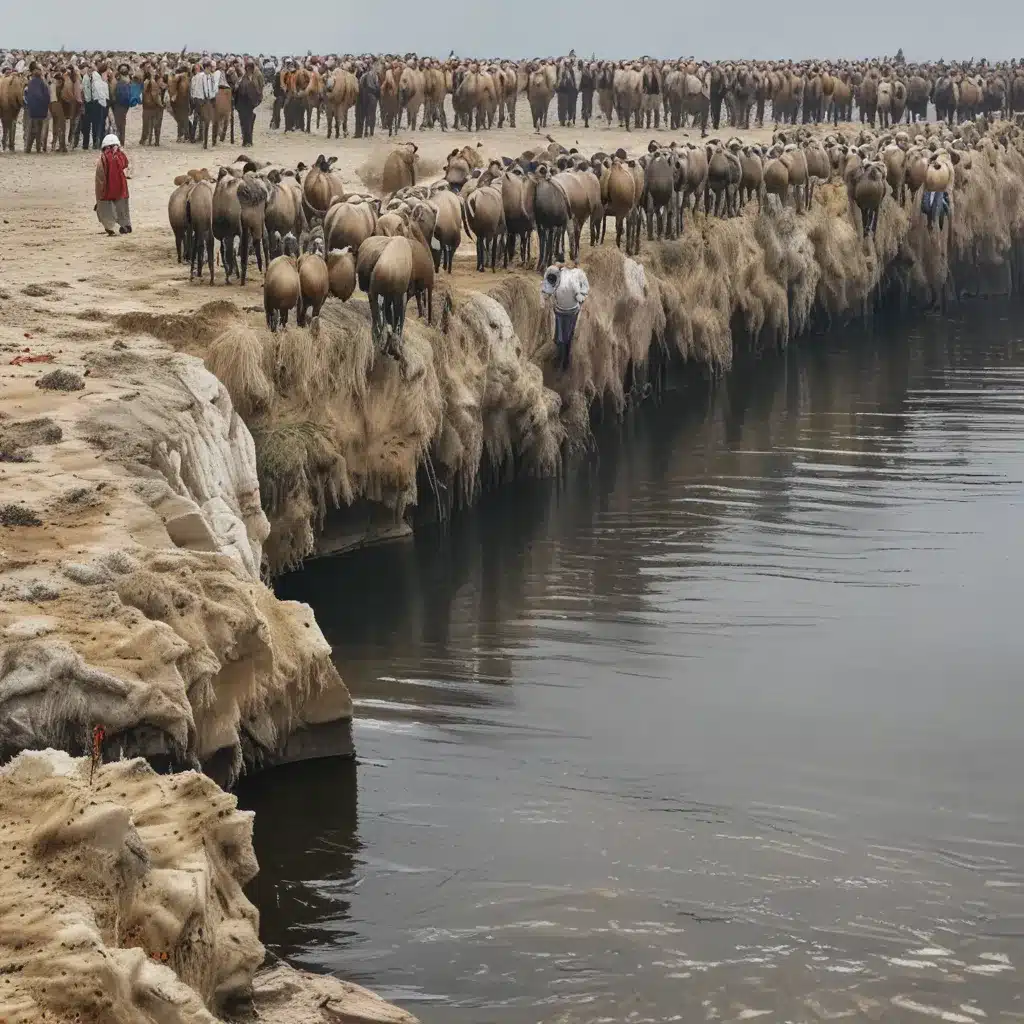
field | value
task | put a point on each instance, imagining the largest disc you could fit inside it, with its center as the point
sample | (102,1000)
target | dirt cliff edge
(130,557)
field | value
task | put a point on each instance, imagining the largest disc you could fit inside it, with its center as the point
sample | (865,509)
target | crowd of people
(92,94)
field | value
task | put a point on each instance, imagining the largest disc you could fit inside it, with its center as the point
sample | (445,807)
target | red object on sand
(42,358)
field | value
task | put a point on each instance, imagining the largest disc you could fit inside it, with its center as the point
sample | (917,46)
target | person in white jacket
(569,288)
(95,96)
(202,89)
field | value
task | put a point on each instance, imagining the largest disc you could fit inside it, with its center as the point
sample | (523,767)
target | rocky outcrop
(121,900)
(130,590)
(283,995)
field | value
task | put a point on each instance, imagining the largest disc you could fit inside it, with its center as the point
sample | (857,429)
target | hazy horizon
(747,31)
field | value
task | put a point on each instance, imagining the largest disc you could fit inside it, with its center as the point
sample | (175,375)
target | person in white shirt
(215,78)
(196,98)
(95,96)
(569,288)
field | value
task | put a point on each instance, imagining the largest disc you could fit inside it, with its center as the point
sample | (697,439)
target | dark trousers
(565,328)
(120,121)
(94,120)
(246,119)
(85,124)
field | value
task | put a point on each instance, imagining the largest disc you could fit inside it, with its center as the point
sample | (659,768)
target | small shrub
(61,380)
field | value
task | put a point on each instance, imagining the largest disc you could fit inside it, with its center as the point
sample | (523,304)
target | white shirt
(213,81)
(197,87)
(94,88)
(569,286)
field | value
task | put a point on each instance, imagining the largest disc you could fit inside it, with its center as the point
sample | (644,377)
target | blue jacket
(37,98)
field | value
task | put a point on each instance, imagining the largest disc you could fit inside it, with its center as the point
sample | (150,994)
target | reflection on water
(725,724)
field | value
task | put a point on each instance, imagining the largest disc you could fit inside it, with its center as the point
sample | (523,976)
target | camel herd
(314,238)
(393,92)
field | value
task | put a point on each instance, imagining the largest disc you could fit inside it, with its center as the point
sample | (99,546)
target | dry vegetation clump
(332,421)
(18,438)
(300,470)
(499,418)
(36,291)
(61,380)
(18,515)
(988,222)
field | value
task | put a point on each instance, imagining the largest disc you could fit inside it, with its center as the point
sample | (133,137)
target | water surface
(726,724)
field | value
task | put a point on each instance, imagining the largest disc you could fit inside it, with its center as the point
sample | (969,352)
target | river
(725,724)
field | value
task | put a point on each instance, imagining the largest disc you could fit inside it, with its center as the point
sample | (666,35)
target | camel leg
(243,245)
(209,256)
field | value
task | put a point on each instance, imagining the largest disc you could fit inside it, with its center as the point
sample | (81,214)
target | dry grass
(61,380)
(236,357)
(18,515)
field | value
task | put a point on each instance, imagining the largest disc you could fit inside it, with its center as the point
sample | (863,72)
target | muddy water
(727,724)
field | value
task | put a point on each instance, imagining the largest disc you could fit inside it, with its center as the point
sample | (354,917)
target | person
(95,94)
(247,98)
(936,205)
(280,91)
(79,107)
(121,100)
(112,187)
(569,287)
(196,97)
(37,109)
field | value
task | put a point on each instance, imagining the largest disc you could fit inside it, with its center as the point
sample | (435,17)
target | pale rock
(158,627)
(121,899)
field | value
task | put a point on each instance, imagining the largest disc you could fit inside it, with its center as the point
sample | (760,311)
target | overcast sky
(661,28)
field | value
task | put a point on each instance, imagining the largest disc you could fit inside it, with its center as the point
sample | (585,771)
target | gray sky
(661,28)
